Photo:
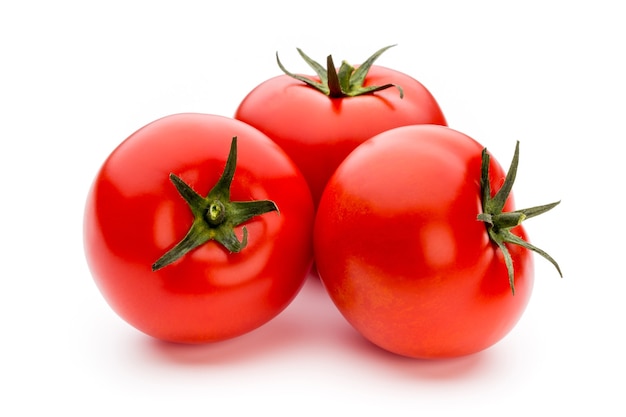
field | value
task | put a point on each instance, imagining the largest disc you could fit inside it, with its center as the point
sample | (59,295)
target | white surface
(76,78)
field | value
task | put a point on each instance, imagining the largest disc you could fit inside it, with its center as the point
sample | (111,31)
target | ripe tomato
(402,252)
(318,120)
(207,290)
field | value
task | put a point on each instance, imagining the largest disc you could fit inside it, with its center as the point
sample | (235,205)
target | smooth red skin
(319,132)
(134,215)
(401,254)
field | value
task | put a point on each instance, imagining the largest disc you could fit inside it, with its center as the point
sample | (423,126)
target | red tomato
(318,127)
(402,255)
(135,214)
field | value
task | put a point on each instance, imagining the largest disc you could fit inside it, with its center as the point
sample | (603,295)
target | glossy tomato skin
(318,132)
(401,254)
(134,215)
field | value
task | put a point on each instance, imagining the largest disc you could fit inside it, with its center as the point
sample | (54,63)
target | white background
(76,78)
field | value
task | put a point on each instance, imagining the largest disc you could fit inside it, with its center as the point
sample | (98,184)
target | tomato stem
(346,82)
(499,223)
(215,216)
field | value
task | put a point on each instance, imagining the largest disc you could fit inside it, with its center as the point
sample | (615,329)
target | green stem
(499,223)
(216,213)
(347,82)
(215,216)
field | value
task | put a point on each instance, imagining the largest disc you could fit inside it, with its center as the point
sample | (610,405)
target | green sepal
(346,82)
(215,216)
(499,223)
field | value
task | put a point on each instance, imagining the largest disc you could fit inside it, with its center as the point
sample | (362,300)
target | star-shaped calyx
(347,82)
(499,223)
(215,216)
